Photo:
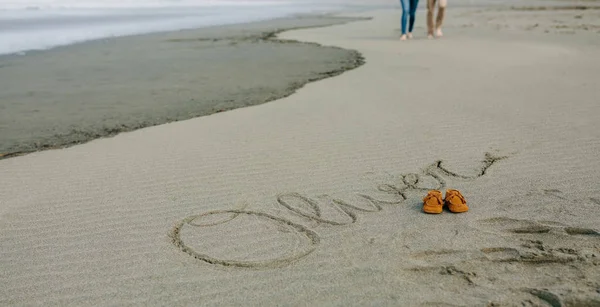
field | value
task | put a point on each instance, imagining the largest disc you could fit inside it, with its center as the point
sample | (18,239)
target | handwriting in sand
(410,182)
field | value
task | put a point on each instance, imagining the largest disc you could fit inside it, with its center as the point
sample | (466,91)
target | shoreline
(270,35)
(326,62)
(117,16)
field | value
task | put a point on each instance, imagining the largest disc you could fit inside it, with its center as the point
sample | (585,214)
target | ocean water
(40,24)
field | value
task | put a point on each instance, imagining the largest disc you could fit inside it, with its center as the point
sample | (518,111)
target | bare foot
(403,37)
(438,32)
(409,35)
(429,36)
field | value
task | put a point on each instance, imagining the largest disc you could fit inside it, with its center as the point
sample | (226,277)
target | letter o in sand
(311,237)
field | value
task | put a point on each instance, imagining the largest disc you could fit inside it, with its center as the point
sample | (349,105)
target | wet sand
(70,95)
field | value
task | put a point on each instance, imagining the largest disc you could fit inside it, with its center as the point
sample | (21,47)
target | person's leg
(403,20)
(440,18)
(413,11)
(430,8)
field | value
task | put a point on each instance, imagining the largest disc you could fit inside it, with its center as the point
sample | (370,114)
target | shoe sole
(432,210)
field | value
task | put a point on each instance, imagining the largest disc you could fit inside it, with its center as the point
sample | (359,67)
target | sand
(74,94)
(315,199)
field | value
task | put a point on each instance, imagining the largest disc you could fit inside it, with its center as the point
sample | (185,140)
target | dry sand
(507,115)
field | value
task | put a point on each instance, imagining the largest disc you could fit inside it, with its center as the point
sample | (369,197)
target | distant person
(409,8)
(439,19)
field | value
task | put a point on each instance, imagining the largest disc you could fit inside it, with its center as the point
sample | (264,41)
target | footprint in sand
(501,253)
(530,267)
(532,237)
(524,226)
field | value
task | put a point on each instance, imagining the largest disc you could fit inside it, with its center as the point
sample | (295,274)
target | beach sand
(70,95)
(315,199)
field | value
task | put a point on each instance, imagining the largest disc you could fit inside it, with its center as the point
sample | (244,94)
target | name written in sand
(434,174)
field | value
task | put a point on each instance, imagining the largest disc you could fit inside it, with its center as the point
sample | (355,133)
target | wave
(43,24)
(52,23)
(108,4)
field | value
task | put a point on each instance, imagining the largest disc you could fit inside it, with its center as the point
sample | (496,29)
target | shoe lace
(430,196)
(457,194)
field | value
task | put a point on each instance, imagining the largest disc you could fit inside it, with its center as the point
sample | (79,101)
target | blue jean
(409,9)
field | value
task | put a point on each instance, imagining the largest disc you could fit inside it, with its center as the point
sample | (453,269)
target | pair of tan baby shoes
(433,203)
